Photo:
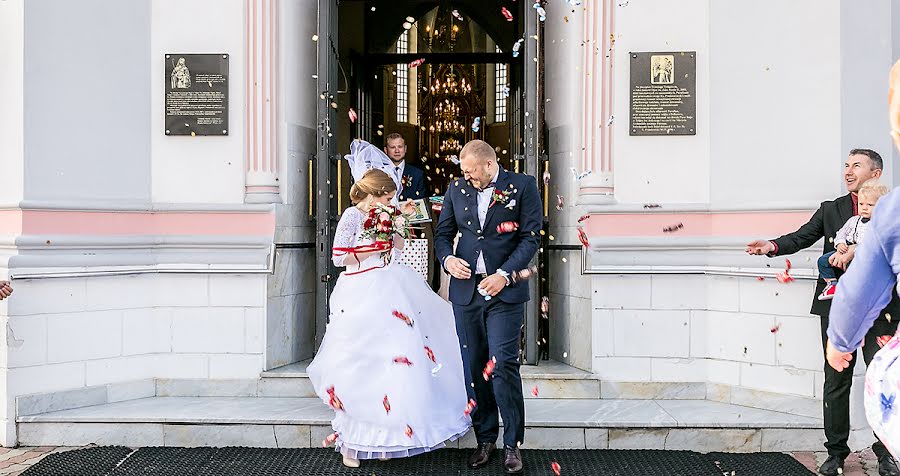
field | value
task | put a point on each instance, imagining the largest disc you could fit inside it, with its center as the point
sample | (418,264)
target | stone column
(597,120)
(262,112)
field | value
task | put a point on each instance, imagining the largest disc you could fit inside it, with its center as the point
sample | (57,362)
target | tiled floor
(13,461)
(862,463)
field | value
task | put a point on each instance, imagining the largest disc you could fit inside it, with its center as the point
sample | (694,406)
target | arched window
(500,80)
(403,79)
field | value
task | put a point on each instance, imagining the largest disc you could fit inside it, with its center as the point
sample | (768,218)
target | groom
(489,329)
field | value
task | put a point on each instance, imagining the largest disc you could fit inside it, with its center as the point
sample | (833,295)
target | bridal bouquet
(384,221)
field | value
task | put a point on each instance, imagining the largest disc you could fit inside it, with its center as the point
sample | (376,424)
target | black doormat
(119,461)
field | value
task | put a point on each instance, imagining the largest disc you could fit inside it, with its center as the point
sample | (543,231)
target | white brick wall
(778,379)
(240,290)
(64,334)
(771,297)
(255,330)
(738,337)
(716,329)
(84,336)
(26,340)
(146,331)
(652,333)
(799,342)
(678,370)
(678,292)
(621,292)
(622,369)
(213,330)
(723,293)
(603,333)
(227,366)
(120,292)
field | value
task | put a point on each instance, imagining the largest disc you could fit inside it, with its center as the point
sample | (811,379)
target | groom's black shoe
(512,460)
(481,456)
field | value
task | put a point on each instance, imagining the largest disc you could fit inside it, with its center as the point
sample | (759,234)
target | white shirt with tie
(484,202)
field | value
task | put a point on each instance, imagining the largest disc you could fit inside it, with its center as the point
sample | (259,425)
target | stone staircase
(571,411)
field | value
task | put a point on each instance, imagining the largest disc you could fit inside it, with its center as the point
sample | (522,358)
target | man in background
(861,165)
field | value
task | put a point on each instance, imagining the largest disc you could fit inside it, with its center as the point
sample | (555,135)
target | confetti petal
(673,228)
(387,404)
(507,227)
(583,237)
(555,467)
(523,274)
(506,14)
(775,329)
(417,62)
(546,177)
(489,368)
(403,317)
(476,124)
(534,391)
(456,15)
(409,431)
(403,360)
(516,46)
(583,218)
(560,202)
(352,115)
(652,205)
(542,14)
(329,440)
(470,407)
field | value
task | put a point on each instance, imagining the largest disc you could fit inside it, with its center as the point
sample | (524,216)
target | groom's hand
(458,268)
(493,284)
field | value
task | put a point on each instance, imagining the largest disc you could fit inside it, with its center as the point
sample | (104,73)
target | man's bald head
(478,162)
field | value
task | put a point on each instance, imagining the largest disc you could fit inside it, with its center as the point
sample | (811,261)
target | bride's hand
(408,207)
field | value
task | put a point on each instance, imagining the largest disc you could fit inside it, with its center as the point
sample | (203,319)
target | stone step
(697,425)
(552,380)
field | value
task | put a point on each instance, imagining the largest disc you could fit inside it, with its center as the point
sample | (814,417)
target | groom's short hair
(478,149)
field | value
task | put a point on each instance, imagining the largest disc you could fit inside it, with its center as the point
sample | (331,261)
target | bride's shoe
(351,462)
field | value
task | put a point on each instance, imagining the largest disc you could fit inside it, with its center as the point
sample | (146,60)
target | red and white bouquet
(384,221)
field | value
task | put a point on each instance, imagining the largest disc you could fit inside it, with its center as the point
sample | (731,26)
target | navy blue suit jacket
(416,177)
(508,251)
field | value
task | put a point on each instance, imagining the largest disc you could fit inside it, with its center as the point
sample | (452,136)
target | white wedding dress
(356,361)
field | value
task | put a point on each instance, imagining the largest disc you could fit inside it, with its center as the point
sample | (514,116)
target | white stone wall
(64,334)
(700,328)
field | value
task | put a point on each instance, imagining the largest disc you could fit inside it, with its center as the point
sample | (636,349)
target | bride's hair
(375,183)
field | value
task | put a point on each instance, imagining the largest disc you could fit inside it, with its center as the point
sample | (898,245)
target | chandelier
(450,145)
(448,125)
(450,86)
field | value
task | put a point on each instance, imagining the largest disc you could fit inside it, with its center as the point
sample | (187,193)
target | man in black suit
(861,165)
(489,307)
(413,180)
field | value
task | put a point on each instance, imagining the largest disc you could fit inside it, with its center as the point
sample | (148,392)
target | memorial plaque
(663,87)
(197,95)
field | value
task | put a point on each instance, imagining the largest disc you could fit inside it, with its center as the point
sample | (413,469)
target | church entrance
(439,74)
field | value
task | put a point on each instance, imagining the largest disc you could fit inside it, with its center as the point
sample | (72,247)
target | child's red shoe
(828,292)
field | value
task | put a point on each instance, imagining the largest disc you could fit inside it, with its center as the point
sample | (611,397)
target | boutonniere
(500,196)
(406,181)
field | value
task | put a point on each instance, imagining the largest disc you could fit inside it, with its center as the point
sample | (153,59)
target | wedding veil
(364,156)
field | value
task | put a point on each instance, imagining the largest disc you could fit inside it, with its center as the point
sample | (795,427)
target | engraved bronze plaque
(196,94)
(663,88)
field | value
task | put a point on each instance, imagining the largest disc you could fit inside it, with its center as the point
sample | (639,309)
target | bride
(389,364)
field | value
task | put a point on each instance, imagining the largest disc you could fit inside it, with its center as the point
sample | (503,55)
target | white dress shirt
(484,202)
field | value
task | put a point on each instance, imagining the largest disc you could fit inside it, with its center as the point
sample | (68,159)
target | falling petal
(506,14)
(555,467)
(416,63)
(352,115)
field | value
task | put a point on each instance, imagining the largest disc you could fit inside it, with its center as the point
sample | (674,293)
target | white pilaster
(262,111)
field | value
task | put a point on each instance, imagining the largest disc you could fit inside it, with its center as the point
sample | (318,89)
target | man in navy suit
(413,180)
(489,308)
